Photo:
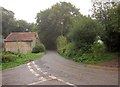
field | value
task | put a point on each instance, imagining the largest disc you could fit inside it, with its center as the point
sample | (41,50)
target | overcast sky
(27,9)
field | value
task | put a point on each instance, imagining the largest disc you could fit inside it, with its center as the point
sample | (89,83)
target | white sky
(28,9)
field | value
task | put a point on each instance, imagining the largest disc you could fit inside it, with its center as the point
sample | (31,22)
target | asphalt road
(53,69)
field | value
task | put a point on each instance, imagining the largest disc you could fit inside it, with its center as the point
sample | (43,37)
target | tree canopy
(55,21)
(84,32)
(8,21)
(64,19)
(107,13)
(10,24)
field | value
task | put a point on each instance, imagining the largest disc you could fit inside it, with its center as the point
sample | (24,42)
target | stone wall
(19,47)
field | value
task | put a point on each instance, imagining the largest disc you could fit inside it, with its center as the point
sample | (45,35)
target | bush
(61,43)
(8,57)
(38,48)
(64,48)
(84,32)
(70,50)
(97,48)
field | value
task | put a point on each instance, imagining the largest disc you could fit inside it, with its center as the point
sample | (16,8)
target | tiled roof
(21,36)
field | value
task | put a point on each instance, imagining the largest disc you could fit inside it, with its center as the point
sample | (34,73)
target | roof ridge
(21,36)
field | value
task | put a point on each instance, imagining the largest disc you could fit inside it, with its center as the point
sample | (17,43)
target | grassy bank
(21,59)
(89,58)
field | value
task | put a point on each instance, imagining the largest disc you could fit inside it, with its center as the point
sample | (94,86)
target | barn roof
(20,36)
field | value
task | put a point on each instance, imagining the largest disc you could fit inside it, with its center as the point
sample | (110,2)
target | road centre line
(39,69)
(66,82)
(30,68)
(35,83)
(45,73)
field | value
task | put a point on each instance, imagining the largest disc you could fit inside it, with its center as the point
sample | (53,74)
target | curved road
(53,69)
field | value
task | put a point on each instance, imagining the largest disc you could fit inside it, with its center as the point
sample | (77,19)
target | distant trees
(108,14)
(10,24)
(21,26)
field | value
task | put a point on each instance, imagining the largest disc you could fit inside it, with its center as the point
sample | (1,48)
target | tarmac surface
(53,69)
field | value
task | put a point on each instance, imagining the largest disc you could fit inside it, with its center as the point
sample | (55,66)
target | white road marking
(69,83)
(60,80)
(53,77)
(39,69)
(45,73)
(28,64)
(65,82)
(30,68)
(42,78)
(38,82)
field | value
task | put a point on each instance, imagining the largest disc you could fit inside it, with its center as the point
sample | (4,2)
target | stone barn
(21,42)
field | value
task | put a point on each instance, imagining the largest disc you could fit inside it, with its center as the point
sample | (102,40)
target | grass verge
(89,58)
(22,59)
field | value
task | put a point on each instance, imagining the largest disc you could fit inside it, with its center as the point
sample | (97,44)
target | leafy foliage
(24,58)
(70,50)
(38,48)
(108,14)
(23,26)
(98,48)
(84,32)
(61,43)
(8,21)
(10,24)
(54,22)
(8,57)
(89,58)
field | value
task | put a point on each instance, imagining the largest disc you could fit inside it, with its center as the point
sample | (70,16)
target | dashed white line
(65,82)
(53,77)
(42,78)
(69,83)
(38,82)
(45,73)
(36,74)
(28,64)
(30,68)
(36,67)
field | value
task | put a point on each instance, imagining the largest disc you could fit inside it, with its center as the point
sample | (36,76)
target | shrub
(64,48)
(84,32)
(70,50)
(8,57)
(97,48)
(38,48)
(61,43)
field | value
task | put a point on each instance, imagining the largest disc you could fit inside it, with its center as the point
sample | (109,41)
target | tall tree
(8,21)
(54,22)
(10,24)
(84,32)
(107,13)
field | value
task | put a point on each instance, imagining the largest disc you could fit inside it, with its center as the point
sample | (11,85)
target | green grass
(0,61)
(0,66)
(24,58)
(88,58)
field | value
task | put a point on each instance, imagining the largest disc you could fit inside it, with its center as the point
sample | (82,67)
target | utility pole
(62,29)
